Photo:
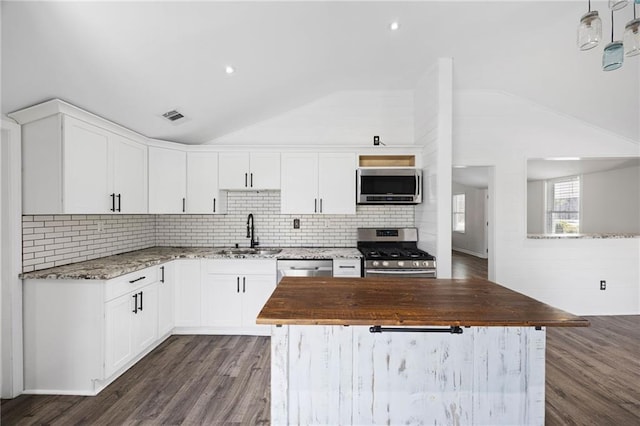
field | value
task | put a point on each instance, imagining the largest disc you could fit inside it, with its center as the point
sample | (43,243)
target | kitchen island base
(329,374)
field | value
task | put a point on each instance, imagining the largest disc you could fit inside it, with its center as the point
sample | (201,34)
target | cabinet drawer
(239,266)
(346,267)
(130,282)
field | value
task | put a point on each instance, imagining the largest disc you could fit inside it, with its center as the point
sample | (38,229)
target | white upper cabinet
(318,183)
(85,150)
(246,171)
(167,180)
(299,183)
(129,175)
(203,195)
(337,183)
(72,166)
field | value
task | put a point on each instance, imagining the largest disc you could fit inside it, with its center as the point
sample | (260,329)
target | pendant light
(632,34)
(589,30)
(613,55)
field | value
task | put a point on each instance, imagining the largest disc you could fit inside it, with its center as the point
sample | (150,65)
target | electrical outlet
(603,285)
(100,226)
(296,223)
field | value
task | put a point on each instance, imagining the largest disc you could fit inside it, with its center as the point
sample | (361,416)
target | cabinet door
(119,333)
(85,167)
(299,183)
(202,184)
(145,330)
(234,170)
(129,175)
(346,267)
(221,300)
(165,298)
(167,180)
(337,183)
(256,292)
(264,170)
(187,293)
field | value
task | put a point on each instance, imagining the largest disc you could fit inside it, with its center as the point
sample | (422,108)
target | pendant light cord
(611,25)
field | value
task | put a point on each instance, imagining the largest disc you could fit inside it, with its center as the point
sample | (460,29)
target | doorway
(472,239)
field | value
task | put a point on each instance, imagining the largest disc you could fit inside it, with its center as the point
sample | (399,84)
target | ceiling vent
(173,115)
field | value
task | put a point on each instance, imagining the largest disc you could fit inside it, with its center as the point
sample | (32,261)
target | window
(563,205)
(458,212)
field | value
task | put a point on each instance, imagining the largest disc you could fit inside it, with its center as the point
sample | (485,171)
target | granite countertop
(109,267)
(579,236)
(407,302)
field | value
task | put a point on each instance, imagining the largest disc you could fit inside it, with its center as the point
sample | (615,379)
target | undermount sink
(259,251)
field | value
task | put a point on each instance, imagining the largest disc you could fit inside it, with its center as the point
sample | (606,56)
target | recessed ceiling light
(394,26)
(229,69)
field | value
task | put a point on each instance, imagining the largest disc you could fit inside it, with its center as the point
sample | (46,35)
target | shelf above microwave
(386,161)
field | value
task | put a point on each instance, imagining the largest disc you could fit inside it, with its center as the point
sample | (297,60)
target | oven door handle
(400,272)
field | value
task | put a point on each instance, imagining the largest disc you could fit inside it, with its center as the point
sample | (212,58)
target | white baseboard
(235,331)
(472,253)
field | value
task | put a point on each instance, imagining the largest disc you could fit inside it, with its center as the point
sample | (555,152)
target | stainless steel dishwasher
(304,268)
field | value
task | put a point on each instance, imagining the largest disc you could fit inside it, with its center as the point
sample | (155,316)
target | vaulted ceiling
(132,61)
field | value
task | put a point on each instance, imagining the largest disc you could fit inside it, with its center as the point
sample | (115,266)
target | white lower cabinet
(79,335)
(234,292)
(347,267)
(166,298)
(131,322)
(187,293)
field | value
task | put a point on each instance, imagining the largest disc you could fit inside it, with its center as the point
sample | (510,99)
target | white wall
(473,240)
(611,201)
(342,118)
(535,207)
(494,128)
(433,130)
(10,261)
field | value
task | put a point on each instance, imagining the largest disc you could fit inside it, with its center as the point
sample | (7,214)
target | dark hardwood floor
(191,380)
(593,373)
(592,378)
(467,266)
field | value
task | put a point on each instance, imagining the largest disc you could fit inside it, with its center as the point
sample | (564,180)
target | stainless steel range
(394,252)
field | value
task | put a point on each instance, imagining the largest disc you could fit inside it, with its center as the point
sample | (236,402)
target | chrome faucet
(251,231)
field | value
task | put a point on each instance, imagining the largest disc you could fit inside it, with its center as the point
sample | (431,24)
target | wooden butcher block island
(368,351)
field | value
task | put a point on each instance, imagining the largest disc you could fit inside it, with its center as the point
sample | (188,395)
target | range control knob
(426,263)
(375,263)
(385,263)
(416,263)
(400,263)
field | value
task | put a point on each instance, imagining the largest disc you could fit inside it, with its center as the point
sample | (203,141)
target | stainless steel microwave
(389,186)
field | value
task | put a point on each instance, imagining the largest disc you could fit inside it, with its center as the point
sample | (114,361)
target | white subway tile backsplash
(61,239)
(273,228)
